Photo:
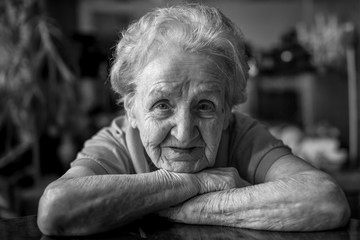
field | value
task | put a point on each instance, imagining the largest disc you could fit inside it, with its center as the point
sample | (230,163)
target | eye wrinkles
(203,107)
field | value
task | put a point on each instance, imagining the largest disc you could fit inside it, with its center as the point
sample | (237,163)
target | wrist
(185,181)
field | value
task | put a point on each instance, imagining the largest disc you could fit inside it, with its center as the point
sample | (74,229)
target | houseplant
(36,85)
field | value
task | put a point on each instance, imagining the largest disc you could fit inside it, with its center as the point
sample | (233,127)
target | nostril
(186,135)
(184,126)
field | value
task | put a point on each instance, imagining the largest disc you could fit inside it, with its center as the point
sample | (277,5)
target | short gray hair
(193,28)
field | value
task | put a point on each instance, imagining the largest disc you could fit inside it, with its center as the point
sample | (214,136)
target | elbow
(50,218)
(344,215)
(336,206)
(341,212)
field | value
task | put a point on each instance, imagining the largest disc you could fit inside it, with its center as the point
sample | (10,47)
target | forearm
(92,204)
(302,202)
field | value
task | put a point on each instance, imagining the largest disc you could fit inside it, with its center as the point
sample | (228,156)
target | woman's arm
(80,203)
(295,197)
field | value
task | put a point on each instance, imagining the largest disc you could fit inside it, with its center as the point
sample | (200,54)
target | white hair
(192,28)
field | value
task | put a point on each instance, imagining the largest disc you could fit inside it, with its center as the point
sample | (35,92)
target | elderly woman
(181,151)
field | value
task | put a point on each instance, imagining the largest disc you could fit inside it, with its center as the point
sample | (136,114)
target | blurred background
(55,93)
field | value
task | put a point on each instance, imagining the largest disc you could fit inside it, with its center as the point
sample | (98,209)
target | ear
(129,105)
(227,117)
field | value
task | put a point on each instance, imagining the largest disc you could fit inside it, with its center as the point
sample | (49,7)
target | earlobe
(131,118)
(132,122)
(129,108)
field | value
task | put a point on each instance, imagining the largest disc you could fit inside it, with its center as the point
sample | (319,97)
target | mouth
(175,153)
(182,149)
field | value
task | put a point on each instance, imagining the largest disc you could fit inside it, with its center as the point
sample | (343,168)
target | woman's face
(179,110)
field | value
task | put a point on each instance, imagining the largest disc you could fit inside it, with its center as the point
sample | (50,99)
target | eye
(206,106)
(162,105)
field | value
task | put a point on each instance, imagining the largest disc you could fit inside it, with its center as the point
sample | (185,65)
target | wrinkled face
(179,110)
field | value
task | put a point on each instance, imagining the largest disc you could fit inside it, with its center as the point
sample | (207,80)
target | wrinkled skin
(180,111)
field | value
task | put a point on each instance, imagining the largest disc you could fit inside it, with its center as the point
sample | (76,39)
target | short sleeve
(105,153)
(253,149)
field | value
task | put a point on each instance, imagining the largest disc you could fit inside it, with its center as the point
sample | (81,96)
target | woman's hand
(209,180)
(218,179)
(294,197)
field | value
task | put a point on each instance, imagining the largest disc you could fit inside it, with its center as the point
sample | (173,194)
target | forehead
(172,72)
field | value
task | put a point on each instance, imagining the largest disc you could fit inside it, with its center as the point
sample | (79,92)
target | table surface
(157,228)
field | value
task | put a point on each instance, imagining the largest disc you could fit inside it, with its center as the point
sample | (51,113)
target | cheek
(211,132)
(154,132)
(211,135)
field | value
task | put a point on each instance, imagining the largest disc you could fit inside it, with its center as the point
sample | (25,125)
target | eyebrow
(165,90)
(162,89)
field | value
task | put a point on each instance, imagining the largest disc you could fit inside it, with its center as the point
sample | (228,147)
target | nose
(185,126)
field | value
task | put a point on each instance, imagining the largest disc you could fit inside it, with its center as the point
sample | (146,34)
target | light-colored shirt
(246,145)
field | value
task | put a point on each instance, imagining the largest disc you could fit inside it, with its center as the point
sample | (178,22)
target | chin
(184,167)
